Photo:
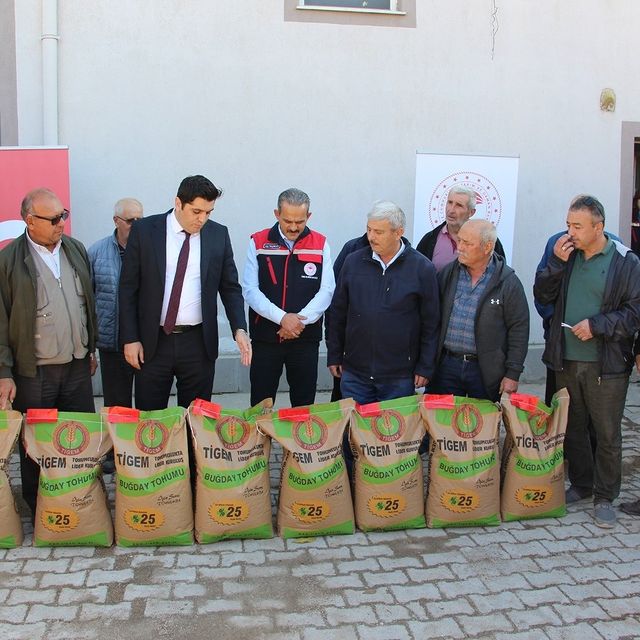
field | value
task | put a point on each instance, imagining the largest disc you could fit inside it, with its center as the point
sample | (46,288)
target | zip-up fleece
(501,323)
(614,327)
(289,279)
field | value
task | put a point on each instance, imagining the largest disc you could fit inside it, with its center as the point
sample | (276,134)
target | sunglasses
(56,219)
(128,221)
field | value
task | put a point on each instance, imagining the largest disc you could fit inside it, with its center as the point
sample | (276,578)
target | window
(365,6)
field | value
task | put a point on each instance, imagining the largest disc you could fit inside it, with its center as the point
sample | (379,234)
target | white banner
(493,178)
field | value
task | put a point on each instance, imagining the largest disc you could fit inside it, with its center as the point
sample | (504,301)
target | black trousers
(117,379)
(300,360)
(179,356)
(66,387)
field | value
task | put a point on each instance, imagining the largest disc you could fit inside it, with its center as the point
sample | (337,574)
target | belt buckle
(467,357)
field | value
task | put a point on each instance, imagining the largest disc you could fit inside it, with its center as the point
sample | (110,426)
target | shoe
(573,494)
(604,514)
(631,508)
(108,467)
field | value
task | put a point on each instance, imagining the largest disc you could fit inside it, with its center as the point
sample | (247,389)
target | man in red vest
(288,283)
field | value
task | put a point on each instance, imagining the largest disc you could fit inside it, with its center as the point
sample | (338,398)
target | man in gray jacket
(484,332)
(106,260)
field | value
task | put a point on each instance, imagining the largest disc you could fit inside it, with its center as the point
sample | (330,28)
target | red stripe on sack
(524,401)
(437,401)
(123,414)
(41,415)
(294,414)
(369,410)
(205,408)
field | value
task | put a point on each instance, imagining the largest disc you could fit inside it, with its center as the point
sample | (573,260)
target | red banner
(23,169)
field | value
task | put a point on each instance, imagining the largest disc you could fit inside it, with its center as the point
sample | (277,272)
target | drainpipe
(50,72)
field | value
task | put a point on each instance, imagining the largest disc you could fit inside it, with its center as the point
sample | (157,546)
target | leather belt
(467,357)
(185,328)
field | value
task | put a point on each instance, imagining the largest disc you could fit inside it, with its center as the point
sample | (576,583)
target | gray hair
(26,207)
(386,210)
(123,203)
(294,197)
(486,230)
(470,193)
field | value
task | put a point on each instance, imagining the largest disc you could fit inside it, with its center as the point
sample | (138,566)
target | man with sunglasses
(47,321)
(593,284)
(106,261)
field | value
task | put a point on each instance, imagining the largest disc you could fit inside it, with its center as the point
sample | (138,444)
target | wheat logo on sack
(539,425)
(71,438)
(310,434)
(389,426)
(151,437)
(233,432)
(466,421)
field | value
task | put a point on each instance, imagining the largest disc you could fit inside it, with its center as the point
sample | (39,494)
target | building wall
(8,102)
(153,91)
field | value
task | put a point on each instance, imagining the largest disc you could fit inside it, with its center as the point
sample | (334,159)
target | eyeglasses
(56,219)
(128,221)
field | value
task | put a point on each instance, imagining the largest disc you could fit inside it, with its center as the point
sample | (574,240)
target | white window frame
(394,11)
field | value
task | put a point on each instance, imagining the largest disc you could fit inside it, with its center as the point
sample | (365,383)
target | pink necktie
(176,288)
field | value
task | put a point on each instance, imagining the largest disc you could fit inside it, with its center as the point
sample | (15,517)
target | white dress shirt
(190,309)
(50,258)
(267,309)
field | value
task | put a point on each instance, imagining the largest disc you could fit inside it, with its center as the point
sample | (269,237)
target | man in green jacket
(47,321)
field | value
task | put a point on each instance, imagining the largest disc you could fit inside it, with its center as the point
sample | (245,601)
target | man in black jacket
(441,244)
(594,285)
(484,333)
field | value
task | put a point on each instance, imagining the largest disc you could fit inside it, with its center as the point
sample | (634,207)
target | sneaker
(573,494)
(604,514)
(631,508)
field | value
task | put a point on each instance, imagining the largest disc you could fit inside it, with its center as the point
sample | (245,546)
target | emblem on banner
(488,202)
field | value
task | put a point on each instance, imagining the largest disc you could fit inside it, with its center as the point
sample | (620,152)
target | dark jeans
(365,391)
(66,387)
(300,360)
(459,377)
(600,401)
(117,379)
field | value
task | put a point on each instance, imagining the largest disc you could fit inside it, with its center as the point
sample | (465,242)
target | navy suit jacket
(143,276)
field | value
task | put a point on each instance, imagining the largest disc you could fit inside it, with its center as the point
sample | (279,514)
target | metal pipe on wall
(50,72)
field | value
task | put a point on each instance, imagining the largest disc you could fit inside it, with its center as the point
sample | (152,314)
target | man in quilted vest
(288,283)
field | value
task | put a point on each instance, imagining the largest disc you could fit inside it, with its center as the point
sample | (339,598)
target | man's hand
(336,370)
(134,354)
(244,344)
(420,381)
(7,393)
(291,326)
(582,330)
(93,363)
(638,363)
(507,385)
(563,247)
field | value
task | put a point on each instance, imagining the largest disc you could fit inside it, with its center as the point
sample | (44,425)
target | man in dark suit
(175,265)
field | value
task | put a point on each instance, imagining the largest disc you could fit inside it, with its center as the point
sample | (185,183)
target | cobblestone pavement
(555,578)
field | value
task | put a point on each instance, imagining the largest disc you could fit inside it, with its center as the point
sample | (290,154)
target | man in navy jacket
(384,317)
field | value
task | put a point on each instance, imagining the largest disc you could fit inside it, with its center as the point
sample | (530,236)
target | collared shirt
(50,258)
(461,335)
(267,309)
(190,309)
(384,266)
(585,294)
(445,250)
